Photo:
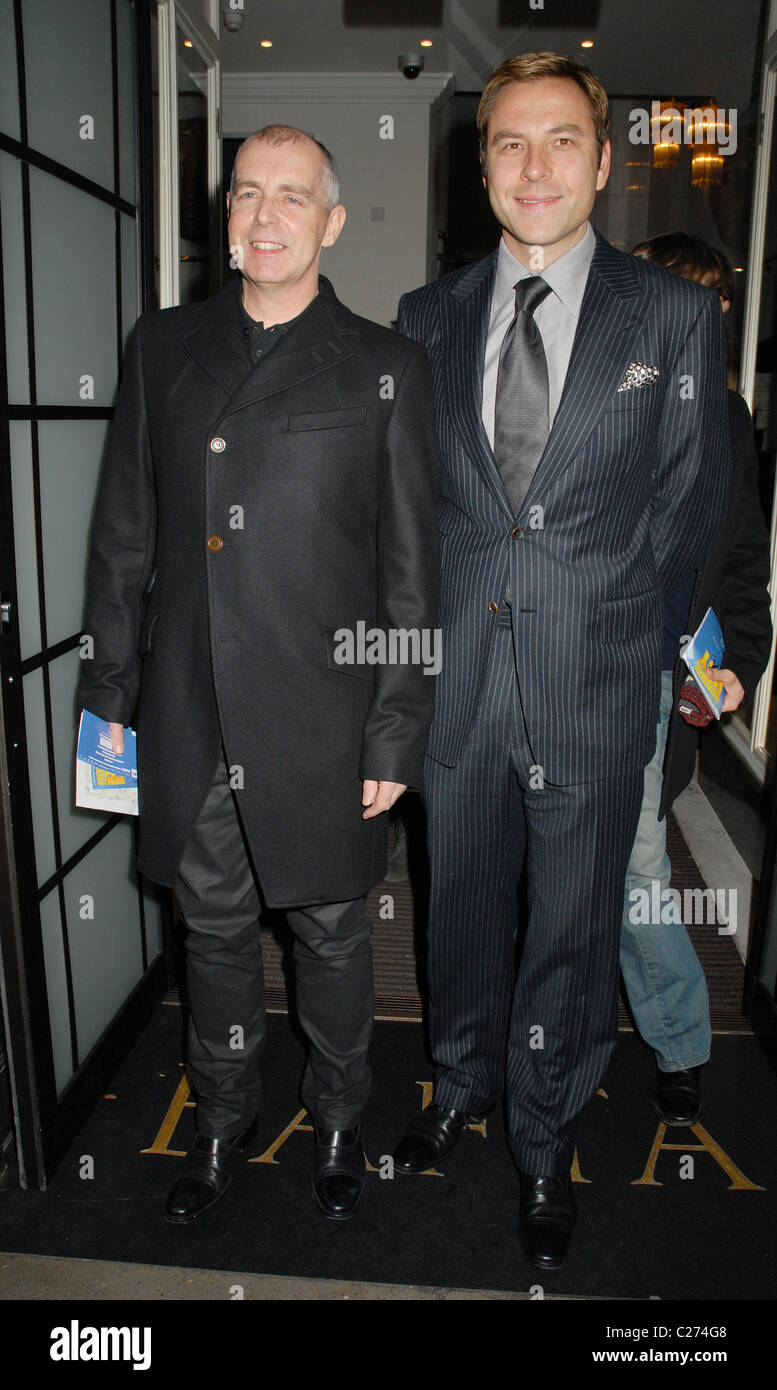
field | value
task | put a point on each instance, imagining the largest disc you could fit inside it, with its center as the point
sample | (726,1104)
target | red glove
(693,706)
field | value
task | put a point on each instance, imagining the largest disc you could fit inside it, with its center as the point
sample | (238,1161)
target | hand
(735,692)
(379,796)
(117,738)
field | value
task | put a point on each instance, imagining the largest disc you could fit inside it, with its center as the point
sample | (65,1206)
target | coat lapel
(611,315)
(465,314)
(313,345)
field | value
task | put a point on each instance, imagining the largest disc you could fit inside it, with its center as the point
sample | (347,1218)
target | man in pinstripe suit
(551,607)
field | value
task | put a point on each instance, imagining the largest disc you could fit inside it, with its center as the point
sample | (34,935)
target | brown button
(218,444)
(517,533)
(493,607)
(215,542)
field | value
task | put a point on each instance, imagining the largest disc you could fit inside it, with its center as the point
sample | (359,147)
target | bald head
(289,134)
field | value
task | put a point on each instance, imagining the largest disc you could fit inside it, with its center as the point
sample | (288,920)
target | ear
(229,200)
(334,225)
(604,166)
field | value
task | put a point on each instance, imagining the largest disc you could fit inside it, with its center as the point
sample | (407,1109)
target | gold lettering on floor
(175,1109)
(295,1125)
(738,1179)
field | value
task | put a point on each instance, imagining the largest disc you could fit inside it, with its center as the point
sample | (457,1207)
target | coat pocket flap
(618,619)
(328,419)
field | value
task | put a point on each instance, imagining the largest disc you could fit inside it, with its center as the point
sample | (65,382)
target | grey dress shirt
(556,318)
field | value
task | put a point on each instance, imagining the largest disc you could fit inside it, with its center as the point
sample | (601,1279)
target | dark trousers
(220,901)
(545,1035)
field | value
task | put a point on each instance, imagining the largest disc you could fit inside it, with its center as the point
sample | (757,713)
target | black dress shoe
(338,1173)
(677,1097)
(546,1218)
(205,1178)
(429,1138)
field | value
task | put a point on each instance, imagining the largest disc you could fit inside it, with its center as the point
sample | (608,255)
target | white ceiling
(654,48)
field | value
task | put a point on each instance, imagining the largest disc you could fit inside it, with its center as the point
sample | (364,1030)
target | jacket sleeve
(742,600)
(694,463)
(121,555)
(397,724)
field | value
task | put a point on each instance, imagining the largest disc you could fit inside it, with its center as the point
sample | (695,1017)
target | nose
(535,164)
(261,209)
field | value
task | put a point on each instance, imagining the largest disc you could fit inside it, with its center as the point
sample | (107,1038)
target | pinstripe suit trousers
(529,1007)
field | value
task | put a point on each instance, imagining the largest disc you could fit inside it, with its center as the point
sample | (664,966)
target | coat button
(517,533)
(215,542)
(218,444)
(493,607)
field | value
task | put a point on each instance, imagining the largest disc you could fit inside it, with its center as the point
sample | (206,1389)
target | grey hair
(279,135)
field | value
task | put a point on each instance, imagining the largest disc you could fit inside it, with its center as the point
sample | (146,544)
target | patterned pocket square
(638,374)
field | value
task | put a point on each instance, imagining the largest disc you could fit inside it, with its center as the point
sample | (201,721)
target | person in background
(664,981)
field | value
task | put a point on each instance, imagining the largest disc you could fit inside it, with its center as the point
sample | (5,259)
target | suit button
(517,533)
(218,444)
(215,543)
(493,607)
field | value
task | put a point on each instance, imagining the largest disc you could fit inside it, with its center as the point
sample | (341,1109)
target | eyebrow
(285,187)
(568,126)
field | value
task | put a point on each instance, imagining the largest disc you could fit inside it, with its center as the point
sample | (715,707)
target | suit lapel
(465,314)
(313,345)
(611,315)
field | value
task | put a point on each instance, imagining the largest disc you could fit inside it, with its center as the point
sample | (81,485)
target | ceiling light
(586,43)
(187,43)
(427,43)
(266,43)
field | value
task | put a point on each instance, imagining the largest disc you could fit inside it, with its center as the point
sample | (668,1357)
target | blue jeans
(664,982)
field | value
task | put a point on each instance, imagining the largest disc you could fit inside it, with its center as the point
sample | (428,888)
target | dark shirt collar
(262,340)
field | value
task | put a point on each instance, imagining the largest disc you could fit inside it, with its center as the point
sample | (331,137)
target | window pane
(13,280)
(56,987)
(38,762)
(74,257)
(24,538)
(70,456)
(67,51)
(105,954)
(9,87)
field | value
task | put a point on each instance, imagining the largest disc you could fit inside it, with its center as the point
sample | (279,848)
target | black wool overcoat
(245,515)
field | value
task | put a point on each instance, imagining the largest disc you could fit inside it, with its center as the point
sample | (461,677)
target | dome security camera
(410,64)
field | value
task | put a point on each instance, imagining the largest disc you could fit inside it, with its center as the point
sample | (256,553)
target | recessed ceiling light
(427,43)
(266,43)
(187,43)
(586,43)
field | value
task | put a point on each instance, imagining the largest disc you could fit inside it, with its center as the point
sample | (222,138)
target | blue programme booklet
(706,648)
(105,781)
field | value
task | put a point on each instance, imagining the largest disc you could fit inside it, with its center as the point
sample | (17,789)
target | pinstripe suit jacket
(629,490)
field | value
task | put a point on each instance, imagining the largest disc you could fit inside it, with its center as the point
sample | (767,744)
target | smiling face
(278,224)
(543,166)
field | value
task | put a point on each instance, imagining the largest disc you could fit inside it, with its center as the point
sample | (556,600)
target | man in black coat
(263,585)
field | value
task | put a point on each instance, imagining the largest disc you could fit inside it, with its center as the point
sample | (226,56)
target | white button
(218,444)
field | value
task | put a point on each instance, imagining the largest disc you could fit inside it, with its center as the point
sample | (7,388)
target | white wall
(374,261)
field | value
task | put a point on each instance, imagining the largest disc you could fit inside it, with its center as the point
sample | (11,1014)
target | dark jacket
(732,580)
(244,516)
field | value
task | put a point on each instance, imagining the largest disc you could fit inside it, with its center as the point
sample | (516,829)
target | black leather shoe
(338,1172)
(546,1218)
(205,1178)
(677,1097)
(429,1138)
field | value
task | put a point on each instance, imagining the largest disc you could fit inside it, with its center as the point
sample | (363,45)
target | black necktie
(521,416)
